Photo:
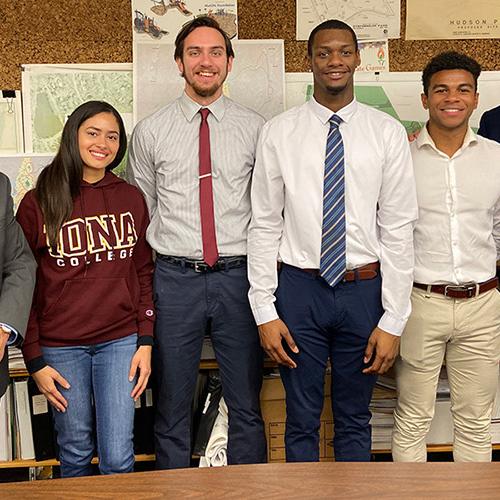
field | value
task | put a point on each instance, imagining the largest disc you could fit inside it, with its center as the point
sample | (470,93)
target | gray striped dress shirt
(163,163)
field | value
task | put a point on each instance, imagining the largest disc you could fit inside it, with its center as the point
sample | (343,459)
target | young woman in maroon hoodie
(89,337)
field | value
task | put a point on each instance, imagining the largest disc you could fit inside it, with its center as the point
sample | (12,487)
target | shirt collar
(424,138)
(324,114)
(190,108)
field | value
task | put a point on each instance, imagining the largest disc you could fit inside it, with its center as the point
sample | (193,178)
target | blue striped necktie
(332,265)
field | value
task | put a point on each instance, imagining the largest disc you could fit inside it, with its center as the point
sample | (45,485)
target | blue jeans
(98,376)
(327,323)
(188,304)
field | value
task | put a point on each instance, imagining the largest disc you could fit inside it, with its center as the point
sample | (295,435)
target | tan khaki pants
(465,332)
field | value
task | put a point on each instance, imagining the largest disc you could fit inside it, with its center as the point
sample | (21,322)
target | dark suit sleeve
(489,125)
(17,265)
(483,125)
(17,273)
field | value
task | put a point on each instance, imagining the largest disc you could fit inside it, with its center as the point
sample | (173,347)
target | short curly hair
(330,24)
(450,60)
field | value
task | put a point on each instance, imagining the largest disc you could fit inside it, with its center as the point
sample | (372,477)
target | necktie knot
(335,121)
(204,113)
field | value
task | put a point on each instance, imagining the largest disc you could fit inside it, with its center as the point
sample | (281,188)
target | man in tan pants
(455,305)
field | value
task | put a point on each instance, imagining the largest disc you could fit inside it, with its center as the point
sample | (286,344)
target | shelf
(53,462)
(431,448)
(18,373)
(205,364)
(211,364)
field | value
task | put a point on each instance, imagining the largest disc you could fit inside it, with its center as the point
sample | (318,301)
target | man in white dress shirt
(455,305)
(307,315)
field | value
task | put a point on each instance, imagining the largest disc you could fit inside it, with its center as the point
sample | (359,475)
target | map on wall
(161,20)
(397,94)
(11,122)
(52,92)
(22,170)
(256,79)
(467,19)
(370,19)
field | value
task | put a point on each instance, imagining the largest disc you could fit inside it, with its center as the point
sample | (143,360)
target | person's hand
(383,348)
(4,337)
(271,335)
(46,379)
(142,362)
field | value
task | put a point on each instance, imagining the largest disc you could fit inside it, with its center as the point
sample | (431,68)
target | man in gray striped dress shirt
(194,297)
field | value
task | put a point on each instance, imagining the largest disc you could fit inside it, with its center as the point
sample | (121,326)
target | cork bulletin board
(98,31)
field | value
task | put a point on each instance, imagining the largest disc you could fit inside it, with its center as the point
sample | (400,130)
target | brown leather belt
(367,272)
(465,291)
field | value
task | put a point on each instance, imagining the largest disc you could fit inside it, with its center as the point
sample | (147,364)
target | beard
(204,91)
(336,90)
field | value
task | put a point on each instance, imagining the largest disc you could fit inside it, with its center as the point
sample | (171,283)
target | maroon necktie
(210,252)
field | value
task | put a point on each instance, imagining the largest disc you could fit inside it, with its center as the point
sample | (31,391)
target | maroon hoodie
(97,285)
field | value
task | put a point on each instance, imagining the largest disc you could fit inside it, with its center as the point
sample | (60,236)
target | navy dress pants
(190,304)
(333,323)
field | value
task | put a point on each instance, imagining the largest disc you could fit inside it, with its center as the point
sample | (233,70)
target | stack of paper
(384,402)
(16,361)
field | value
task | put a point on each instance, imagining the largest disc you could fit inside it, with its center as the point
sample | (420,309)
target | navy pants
(189,304)
(333,323)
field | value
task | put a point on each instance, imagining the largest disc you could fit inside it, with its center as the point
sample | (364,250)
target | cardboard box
(383,402)
(272,400)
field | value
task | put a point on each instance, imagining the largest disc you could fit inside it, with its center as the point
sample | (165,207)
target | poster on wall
(397,94)
(22,171)
(161,20)
(256,79)
(452,20)
(370,19)
(11,122)
(52,91)
(374,56)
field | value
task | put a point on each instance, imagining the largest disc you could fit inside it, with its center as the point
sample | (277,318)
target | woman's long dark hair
(59,183)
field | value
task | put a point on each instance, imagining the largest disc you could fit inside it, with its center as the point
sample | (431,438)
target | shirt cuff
(35,364)
(264,314)
(145,340)
(391,324)
(14,334)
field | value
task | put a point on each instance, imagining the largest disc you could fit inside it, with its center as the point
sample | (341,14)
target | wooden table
(351,481)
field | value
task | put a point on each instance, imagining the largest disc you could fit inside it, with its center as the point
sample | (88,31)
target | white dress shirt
(457,236)
(164,164)
(287,202)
